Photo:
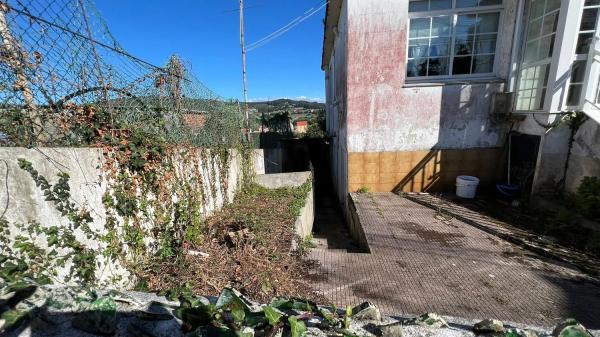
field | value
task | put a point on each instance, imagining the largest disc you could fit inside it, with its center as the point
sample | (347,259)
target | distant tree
(279,122)
(316,126)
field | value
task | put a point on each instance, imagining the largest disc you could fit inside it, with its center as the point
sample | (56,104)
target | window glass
(439,47)
(577,81)
(466,24)
(476,3)
(418,6)
(485,44)
(462,65)
(487,23)
(483,64)
(435,5)
(552,5)
(574,94)
(550,23)
(441,26)
(584,42)
(539,45)
(466,3)
(438,66)
(420,27)
(588,19)
(430,38)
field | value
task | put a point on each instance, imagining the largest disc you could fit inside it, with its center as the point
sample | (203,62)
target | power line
(279,32)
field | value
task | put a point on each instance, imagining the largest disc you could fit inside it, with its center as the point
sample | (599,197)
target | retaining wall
(21,201)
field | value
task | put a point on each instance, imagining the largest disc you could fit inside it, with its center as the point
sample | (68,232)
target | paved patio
(422,261)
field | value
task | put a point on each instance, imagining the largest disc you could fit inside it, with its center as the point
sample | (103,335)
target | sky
(205,34)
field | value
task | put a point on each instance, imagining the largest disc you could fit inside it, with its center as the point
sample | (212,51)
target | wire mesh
(61,71)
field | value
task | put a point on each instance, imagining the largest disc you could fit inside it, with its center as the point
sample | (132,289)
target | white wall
(336,76)
(21,201)
(584,159)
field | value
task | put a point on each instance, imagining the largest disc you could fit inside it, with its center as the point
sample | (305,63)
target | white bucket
(466,186)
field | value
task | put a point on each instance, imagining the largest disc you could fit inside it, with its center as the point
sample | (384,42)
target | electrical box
(502,103)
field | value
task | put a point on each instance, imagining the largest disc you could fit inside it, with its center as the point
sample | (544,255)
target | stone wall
(23,202)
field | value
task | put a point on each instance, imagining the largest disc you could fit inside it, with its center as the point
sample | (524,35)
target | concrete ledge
(279,180)
(304,222)
(356,229)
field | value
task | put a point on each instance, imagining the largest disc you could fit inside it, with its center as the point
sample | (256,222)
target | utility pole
(243,45)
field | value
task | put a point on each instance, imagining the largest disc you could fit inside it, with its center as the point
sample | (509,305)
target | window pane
(462,65)
(418,5)
(578,72)
(441,26)
(531,52)
(487,23)
(574,94)
(438,66)
(490,2)
(588,19)
(419,27)
(466,24)
(537,9)
(439,47)
(546,47)
(485,44)
(483,64)
(418,48)
(552,5)
(550,23)
(592,2)
(539,100)
(416,67)
(411,68)
(534,29)
(440,4)
(463,45)
(583,43)
(466,3)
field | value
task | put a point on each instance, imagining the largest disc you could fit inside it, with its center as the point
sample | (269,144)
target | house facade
(421,91)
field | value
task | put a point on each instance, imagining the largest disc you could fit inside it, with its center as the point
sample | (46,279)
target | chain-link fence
(65,81)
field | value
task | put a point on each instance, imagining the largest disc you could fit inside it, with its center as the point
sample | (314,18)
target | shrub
(588,197)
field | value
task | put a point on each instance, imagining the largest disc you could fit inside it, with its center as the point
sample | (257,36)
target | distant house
(421,91)
(300,126)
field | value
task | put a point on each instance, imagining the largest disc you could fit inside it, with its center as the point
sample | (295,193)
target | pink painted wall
(384,114)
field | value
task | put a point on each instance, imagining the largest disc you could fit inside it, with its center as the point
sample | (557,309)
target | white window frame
(547,61)
(553,59)
(585,93)
(454,12)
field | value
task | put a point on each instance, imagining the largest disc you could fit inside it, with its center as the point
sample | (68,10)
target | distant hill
(284,103)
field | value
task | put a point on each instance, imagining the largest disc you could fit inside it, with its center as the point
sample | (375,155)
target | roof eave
(332,17)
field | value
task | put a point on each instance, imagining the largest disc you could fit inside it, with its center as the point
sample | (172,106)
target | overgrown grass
(248,245)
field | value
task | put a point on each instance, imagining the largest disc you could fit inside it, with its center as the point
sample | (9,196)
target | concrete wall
(336,85)
(388,116)
(22,201)
(304,222)
(584,160)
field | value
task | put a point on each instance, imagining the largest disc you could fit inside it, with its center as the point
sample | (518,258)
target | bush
(588,197)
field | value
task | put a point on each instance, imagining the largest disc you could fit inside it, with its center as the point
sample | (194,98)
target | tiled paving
(422,262)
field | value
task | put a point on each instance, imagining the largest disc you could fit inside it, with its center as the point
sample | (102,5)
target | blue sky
(205,33)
